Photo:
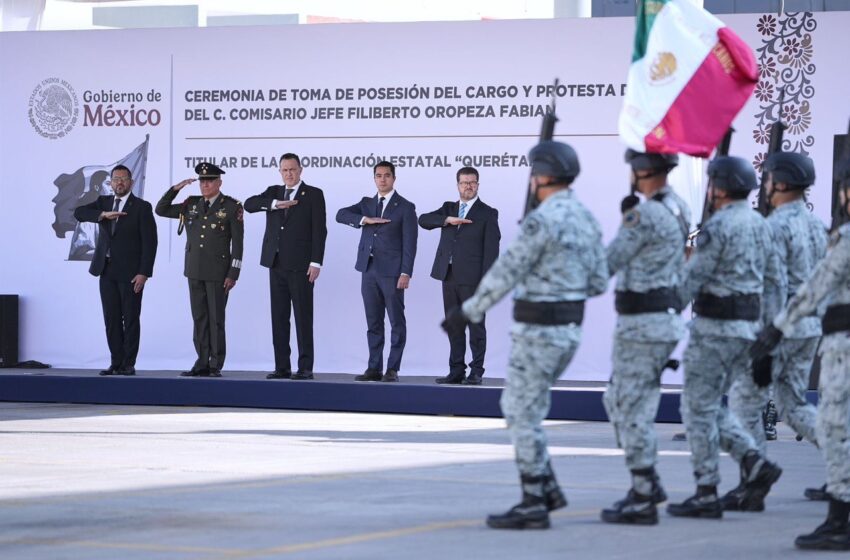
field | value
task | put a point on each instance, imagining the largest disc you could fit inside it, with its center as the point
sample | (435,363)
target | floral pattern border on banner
(785,64)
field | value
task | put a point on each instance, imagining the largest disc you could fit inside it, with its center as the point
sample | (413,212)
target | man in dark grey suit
(385,256)
(123,259)
(293,250)
(469,244)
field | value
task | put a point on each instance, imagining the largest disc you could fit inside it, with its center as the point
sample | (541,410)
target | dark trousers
(208,300)
(121,310)
(291,293)
(380,295)
(453,296)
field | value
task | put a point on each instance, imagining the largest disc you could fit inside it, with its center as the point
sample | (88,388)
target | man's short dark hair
(121,168)
(467,171)
(386,164)
(290,155)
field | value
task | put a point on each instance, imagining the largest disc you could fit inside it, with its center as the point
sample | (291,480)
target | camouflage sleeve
(775,288)
(598,279)
(509,268)
(630,238)
(703,263)
(828,274)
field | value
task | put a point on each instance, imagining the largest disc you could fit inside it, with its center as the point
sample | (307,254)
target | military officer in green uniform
(214,232)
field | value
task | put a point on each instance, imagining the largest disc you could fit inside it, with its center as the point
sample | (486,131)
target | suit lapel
(299,196)
(391,206)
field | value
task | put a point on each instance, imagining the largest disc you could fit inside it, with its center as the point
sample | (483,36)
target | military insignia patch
(631,218)
(834,239)
(221,214)
(530,226)
(703,238)
(240,212)
(213,225)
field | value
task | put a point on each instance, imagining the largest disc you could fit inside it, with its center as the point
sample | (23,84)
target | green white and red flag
(689,78)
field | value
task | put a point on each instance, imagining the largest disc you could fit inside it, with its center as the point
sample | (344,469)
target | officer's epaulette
(228,197)
(193,199)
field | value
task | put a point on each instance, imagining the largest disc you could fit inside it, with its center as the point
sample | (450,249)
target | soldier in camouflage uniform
(214,233)
(830,283)
(799,240)
(554,265)
(732,275)
(648,257)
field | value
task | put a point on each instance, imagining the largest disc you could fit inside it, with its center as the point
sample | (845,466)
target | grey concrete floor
(104,482)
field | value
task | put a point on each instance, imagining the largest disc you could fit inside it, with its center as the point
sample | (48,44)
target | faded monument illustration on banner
(84,186)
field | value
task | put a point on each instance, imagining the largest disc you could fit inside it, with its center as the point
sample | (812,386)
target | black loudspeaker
(8,331)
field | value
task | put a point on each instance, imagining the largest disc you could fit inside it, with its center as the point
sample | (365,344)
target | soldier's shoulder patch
(631,218)
(240,212)
(703,238)
(531,225)
(834,238)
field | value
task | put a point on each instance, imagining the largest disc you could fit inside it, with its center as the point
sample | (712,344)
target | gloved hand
(766,341)
(762,370)
(628,203)
(455,323)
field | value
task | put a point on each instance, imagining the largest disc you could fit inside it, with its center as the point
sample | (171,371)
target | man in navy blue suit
(469,244)
(123,259)
(385,256)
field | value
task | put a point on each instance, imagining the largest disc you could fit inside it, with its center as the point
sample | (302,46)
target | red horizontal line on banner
(394,137)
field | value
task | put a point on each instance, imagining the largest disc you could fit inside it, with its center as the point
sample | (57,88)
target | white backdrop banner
(431,97)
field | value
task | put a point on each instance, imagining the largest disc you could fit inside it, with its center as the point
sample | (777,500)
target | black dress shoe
(369,375)
(303,375)
(390,377)
(279,375)
(473,379)
(450,379)
(212,373)
(195,372)
(128,370)
(111,370)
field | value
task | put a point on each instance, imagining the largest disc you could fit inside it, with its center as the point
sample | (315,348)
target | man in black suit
(293,250)
(123,259)
(387,224)
(469,244)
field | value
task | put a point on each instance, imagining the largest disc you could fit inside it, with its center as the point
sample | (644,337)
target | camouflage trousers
(632,397)
(712,364)
(539,355)
(792,364)
(833,432)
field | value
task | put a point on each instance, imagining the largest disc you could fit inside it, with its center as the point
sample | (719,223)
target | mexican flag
(690,76)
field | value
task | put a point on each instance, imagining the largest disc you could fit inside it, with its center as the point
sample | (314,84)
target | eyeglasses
(468,183)
(120,180)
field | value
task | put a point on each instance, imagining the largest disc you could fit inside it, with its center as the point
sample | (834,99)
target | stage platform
(332,392)
(336,392)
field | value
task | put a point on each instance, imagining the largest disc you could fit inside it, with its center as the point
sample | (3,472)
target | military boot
(530,513)
(555,499)
(757,476)
(638,507)
(731,501)
(817,494)
(832,534)
(768,418)
(704,504)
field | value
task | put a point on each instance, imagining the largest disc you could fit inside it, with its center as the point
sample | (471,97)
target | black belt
(549,312)
(653,301)
(746,307)
(836,319)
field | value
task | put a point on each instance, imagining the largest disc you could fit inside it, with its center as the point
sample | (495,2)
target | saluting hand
(111,215)
(183,183)
(455,221)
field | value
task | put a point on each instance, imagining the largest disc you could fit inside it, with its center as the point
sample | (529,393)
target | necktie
(462,212)
(206,206)
(287,196)
(380,208)
(115,207)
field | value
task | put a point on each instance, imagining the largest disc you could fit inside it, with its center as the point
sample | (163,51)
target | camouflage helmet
(555,159)
(732,173)
(791,168)
(645,161)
